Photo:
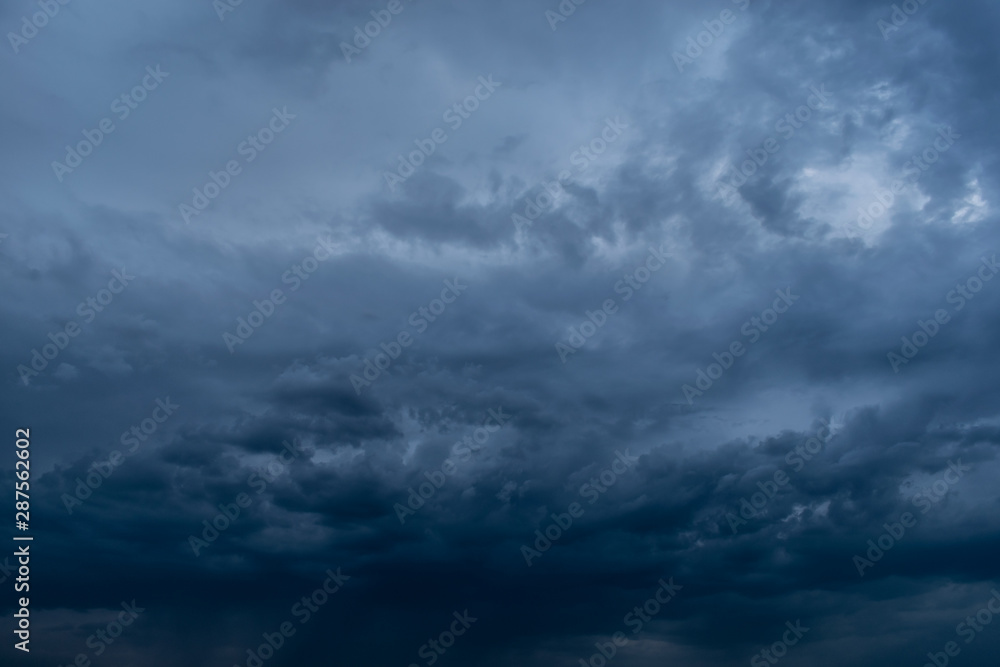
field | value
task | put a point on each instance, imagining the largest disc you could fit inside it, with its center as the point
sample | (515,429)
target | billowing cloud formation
(476,333)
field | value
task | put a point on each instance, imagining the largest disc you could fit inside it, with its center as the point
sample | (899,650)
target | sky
(536,333)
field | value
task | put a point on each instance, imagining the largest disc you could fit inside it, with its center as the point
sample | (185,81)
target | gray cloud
(790,226)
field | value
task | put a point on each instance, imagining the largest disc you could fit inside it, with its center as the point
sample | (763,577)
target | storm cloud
(369,319)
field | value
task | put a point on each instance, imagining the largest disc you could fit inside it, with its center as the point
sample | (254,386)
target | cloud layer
(747,247)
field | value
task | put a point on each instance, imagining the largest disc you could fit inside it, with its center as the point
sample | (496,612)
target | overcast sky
(710,282)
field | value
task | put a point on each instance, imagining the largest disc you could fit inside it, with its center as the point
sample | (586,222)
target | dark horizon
(398,333)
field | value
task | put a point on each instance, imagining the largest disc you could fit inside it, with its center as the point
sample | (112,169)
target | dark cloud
(325,472)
